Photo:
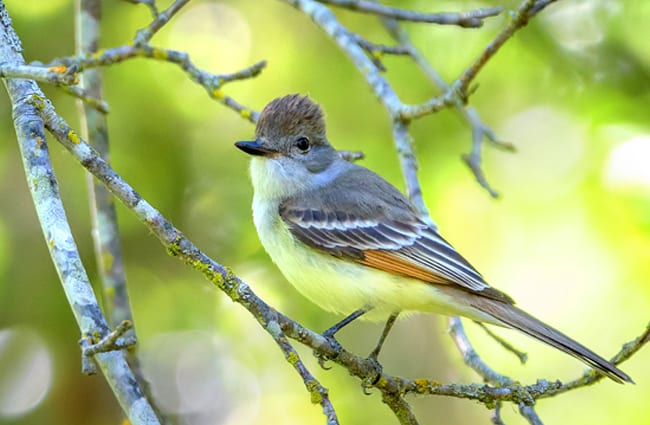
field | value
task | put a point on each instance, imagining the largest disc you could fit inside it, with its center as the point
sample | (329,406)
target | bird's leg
(372,357)
(389,325)
(329,335)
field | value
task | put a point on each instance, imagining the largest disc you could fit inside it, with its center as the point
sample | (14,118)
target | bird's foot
(322,357)
(375,370)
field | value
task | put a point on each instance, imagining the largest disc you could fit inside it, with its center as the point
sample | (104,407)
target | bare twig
(591,377)
(480,130)
(376,51)
(108,252)
(212,83)
(151,4)
(143,36)
(471,358)
(113,341)
(99,105)
(529,414)
(472,19)
(57,75)
(522,356)
(526,11)
(352,156)
(319,394)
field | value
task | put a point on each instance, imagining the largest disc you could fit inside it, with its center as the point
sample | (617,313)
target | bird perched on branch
(352,243)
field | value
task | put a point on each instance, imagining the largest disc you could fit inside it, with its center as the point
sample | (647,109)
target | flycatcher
(352,243)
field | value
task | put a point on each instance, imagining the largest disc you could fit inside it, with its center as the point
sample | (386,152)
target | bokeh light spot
(576,25)
(628,165)
(26,372)
(550,149)
(33,9)
(196,376)
(217,37)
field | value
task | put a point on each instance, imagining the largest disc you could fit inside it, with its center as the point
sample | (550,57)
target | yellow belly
(342,286)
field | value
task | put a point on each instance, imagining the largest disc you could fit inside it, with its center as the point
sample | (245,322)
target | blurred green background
(569,240)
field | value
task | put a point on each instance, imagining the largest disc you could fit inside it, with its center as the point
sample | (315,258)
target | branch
(472,19)
(471,357)
(28,102)
(151,4)
(522,356)
(480,131)
(319,394)
(105,230)
(525,12)
(113,341)
(57,75)
(212,83)
(591,377)
(143,36)
(97,104)
(108,252)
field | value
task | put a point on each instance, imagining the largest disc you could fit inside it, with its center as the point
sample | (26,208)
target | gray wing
(380,231)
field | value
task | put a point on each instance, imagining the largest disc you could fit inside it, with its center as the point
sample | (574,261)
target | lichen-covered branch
(106,234)
(56,75)
(319,394)
(212,83)
(472,19)
(106,237)
(28,102)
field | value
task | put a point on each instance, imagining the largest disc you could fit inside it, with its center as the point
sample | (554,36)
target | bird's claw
(322,357)
(375,371)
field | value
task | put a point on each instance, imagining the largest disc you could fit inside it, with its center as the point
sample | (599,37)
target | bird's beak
(256,148)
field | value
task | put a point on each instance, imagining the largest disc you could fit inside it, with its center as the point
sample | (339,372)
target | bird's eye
(303,144)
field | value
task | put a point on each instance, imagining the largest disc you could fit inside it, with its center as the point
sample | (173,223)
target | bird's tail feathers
(512,317)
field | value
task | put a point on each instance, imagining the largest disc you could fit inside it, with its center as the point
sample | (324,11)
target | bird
(353,244)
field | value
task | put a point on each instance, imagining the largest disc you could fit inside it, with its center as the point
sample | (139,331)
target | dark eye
(302,143)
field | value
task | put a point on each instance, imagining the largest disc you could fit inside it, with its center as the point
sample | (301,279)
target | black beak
(255,148)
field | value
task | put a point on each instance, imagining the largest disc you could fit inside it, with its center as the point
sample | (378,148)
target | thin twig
(591,377)
(352,156)
(319,394)
(471,358)
(529,414)
(144,35)
(108,252)
(472,19)
(151,4)
(113,341)
(376,51)
(522,356)
(526,10)
(99,105)
(212,83)
(496,415)
(480,131)
(105,233)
